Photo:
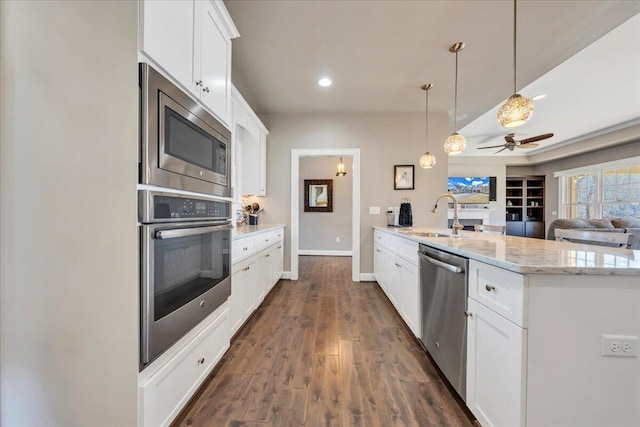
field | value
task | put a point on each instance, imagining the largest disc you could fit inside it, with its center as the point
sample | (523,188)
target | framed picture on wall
(318,195)
(403,177)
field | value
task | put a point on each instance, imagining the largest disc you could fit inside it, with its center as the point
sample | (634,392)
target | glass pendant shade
(427,160)
(341,171)
(455,144)
(515,111)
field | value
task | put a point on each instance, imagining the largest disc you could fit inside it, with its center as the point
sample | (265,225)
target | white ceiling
(594,91)
(380,53)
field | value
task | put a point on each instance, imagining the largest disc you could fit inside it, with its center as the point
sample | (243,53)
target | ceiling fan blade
(493,146)
(499,151)
(509,138)
(536,138)
(528,145)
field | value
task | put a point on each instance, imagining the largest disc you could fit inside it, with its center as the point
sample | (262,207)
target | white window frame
(598,171)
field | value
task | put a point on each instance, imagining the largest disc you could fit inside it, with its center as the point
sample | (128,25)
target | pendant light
(341,171)
(456,143)
(427,160)
(517,109)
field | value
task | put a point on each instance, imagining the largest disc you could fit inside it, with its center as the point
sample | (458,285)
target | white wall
(385,140)
(68,149)
(318,230)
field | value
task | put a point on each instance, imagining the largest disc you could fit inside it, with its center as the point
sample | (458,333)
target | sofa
(619,225)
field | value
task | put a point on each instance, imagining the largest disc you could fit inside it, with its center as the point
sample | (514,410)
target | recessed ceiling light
(324,82)
(538,97)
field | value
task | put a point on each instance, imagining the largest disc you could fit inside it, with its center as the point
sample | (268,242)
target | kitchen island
(552,326)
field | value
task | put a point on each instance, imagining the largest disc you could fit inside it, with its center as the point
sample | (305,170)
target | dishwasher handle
(448,267)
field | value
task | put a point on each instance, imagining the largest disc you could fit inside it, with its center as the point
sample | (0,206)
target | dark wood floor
(324,351)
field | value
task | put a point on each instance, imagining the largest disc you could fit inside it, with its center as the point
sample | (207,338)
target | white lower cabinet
(163,393)
(496,368)
(496,345)
(276,264)
(410,297)
(381,265)
(395,268)
(242,299)
(263,275)
(254,275)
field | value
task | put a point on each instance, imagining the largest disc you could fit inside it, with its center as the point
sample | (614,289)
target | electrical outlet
(374,210)
(619,345)
(337,240)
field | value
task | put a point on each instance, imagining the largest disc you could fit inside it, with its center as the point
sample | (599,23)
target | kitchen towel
(406,218)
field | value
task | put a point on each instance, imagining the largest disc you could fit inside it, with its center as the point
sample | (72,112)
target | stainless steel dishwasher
(443,282)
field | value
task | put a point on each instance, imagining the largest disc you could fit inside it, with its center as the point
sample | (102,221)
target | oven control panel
(184,208)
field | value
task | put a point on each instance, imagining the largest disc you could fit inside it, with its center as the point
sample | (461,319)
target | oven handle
(183,232)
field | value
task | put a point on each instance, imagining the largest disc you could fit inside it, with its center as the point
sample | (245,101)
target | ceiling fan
(512,143)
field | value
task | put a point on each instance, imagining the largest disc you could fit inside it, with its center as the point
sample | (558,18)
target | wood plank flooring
(324,351)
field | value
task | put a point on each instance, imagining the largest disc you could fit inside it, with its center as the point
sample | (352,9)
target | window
(607,190)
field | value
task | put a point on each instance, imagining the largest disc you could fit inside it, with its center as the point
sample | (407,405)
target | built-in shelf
(525,206)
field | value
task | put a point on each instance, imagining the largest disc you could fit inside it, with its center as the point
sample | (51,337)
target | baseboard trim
(367,277)
(286,275)
(324,253)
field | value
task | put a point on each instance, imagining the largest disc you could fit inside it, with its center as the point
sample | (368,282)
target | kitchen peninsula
(541,319)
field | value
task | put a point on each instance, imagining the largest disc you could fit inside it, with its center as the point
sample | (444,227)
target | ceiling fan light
(515,111)
(455,144)
(427,160)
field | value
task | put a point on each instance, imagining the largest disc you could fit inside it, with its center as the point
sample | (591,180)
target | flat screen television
(476,190)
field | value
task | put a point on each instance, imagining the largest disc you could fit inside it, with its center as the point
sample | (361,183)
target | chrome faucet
(456,223)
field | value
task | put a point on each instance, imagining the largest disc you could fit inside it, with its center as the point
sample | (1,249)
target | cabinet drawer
(380,237)
(242,248)
(166,392)
(278,235)
(500,290)
(406,248)
(265,239)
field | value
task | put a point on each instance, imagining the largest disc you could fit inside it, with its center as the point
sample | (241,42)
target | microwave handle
(183,232)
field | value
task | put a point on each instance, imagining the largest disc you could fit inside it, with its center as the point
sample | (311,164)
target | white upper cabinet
(250,148)
(191,41)
(215,63)
(167,36)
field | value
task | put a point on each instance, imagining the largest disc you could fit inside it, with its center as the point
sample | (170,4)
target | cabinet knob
(201,303)
(279,247)
(267,256)
(199,83)
(377,250)
(245,249)
(490,288)
(206,89)
(468,313)
(397,265)
(201,361)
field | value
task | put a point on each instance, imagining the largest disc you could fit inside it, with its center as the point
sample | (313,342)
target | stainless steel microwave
(182,146)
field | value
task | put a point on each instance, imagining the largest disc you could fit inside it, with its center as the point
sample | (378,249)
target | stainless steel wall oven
(182,145)
(185,266)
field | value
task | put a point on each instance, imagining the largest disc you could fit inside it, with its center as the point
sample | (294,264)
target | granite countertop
(248,230)
(530,256)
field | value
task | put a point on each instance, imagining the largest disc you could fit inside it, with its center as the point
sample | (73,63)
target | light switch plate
(374,210)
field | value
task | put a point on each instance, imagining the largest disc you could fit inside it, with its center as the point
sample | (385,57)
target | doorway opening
(296,155)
